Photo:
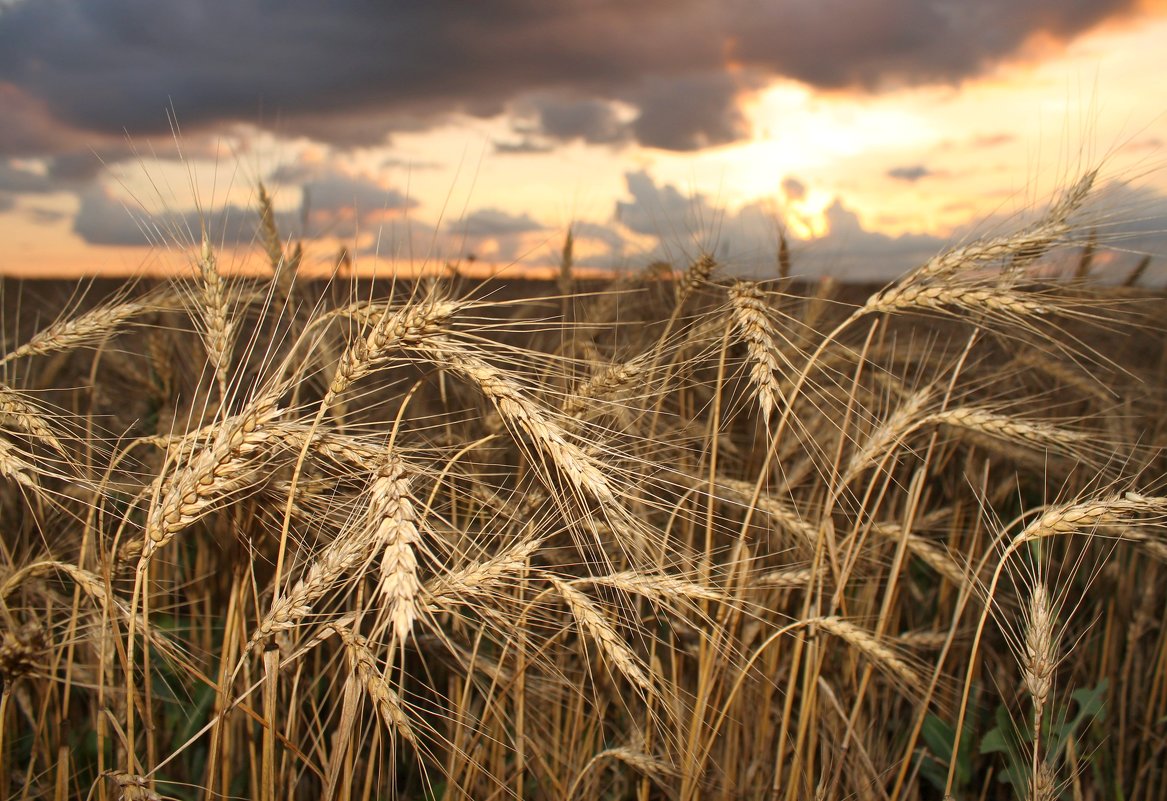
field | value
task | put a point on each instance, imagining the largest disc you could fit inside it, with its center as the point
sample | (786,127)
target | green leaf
(938,737)
(994,742)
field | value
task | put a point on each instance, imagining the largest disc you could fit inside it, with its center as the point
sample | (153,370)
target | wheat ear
(593,621)
(406,327)
(396,534)
(386,700)
(752,317)
(226,465)
(523,413)
(27,418)
(874,649)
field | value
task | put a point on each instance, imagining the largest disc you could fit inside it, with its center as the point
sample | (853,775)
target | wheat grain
(698,273)
(407,327)
(22,415)
(218,330)
(1073,517)
(1040,651)
(1025,432)
(85,329)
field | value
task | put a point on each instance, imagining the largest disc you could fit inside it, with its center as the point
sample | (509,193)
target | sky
(869,133)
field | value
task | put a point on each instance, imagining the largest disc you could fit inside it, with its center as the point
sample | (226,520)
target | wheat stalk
(656,587)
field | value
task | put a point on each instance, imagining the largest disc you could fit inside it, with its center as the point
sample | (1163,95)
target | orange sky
(864,179)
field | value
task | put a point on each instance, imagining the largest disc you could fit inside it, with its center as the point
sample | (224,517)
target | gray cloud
(41,216)
(354,72)
(102,219)
(911,173)
(7,201)
(565,119)
(747,240)
(690,112)
(494,223)
(522,147)
(793,189)
(19,180)
(331,198)
(607,235)
(506,230)
(660,211)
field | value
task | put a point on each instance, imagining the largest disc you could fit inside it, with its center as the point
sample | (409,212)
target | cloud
(18,179)
(607,235)
(42,216)
(836,44)
(495,223)
(592,120)
(522,147)
(793,189)
(690,112)
(355,72)
(659,211)
(102,219)
(498,235)
(911,173)
(7,201)
(746,240)
(331,197)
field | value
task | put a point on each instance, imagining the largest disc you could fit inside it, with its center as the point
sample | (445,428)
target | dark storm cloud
(910,173)
(352,72)
(839,44)
(690,112)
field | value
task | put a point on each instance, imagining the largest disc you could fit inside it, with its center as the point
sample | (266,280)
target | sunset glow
(851,142)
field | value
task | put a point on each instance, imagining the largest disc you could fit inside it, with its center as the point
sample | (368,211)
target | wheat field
(681,536)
